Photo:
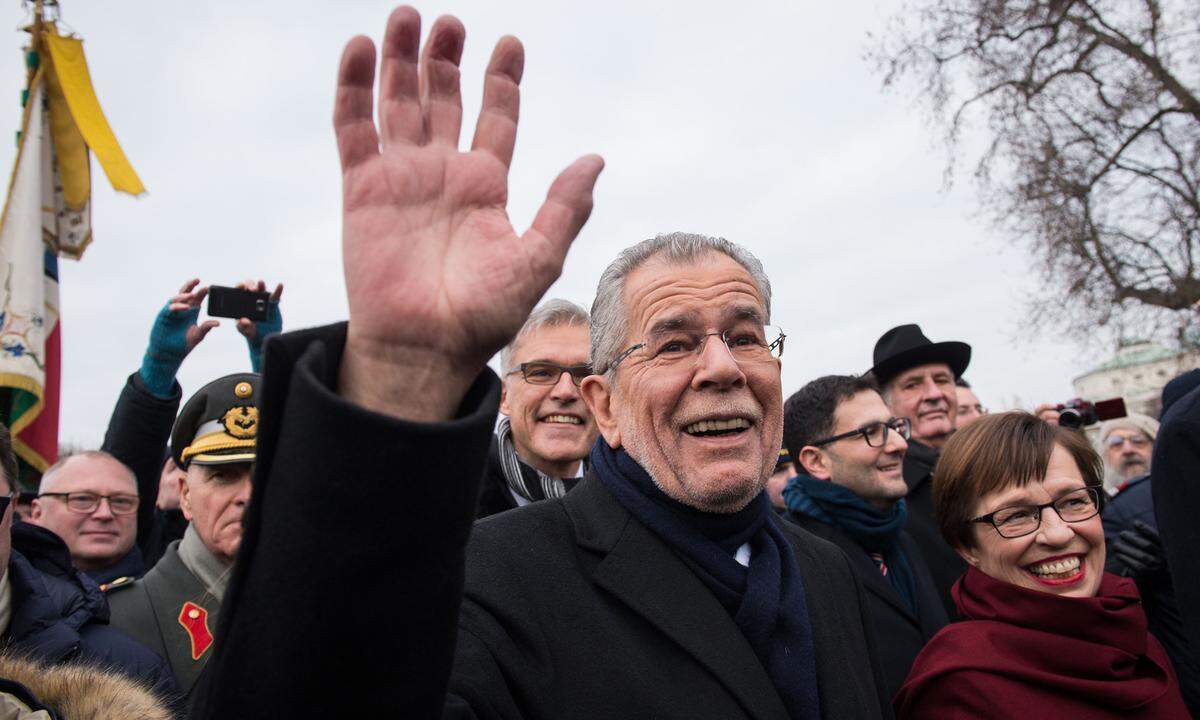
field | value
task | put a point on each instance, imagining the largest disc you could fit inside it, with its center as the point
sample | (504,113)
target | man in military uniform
(173,609)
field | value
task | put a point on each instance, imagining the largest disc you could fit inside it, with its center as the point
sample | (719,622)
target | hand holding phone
(236,303)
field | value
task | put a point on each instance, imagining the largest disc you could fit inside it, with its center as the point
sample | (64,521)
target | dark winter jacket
(1136,502)
(567,608)
(494,494)
(137,435)
(945,565)
(899,635)
(130,566)
(1175,485)
(59,615)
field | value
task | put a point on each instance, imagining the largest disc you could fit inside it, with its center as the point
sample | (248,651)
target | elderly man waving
(661,586)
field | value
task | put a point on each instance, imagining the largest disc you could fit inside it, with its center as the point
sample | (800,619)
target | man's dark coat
(59,615)
(137,435)
(494,493)
(899,635)
(571,608)
(1175,486)
(945,565)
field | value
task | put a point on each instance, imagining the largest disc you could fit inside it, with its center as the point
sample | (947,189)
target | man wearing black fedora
(916,378)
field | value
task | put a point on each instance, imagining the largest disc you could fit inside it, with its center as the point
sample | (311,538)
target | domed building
(1136,373)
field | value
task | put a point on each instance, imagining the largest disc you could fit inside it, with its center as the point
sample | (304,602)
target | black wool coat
(376,606)
(494,494)
(1175,486)
(899,634)
(944,563)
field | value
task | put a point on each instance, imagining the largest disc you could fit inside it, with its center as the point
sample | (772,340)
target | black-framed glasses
(86,502)
(749,342)
(548,373)
(875,434)
(1018,520)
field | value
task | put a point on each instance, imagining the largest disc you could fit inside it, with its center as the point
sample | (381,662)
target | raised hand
(186,305)
(255,332)
(437,278)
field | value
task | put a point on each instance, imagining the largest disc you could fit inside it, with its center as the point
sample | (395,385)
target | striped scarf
(524,480)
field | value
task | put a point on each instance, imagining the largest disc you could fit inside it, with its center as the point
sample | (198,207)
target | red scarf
(1027,654)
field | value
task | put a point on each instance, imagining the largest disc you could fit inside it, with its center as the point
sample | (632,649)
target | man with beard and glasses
(1127,445)
(916,379)
(661,586)
(543,438)
(174,608)
(849,490)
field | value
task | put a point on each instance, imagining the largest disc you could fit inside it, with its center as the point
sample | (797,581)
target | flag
(47,213)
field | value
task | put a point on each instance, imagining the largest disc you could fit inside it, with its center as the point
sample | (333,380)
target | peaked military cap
(219,424)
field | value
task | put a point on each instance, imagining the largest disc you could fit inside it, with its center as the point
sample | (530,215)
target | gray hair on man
(47,481)
(609,321)
(552,313)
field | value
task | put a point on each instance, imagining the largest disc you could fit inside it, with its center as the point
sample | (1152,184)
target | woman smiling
(1046,633)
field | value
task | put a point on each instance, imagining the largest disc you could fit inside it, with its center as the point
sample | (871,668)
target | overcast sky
(764,126)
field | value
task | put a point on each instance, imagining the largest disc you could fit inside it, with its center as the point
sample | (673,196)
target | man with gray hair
(543,438)
(90,500)
(661,586)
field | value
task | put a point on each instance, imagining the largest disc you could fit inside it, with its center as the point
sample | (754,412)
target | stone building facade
(1136,373)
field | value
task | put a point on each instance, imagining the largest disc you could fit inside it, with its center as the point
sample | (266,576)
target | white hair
(610,323)
(552,313)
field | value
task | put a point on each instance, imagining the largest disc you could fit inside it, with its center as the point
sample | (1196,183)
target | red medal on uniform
(194,620)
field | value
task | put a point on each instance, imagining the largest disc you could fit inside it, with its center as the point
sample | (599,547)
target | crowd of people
(628,520)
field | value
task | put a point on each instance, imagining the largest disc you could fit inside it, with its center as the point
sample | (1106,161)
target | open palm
(435,273)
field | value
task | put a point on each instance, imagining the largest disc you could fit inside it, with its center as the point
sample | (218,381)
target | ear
(504,409)
(36,512)
(597,394)
(815,462)
(185,498)
(970,556)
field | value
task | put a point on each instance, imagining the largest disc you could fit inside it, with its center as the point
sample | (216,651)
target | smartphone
(234,303)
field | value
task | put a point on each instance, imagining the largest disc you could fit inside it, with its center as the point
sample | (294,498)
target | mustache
(709,408)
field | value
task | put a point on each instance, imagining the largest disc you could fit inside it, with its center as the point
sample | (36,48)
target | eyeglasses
(1116,441)
(749,342)
(1019,520)
(86,502)
(875,434)
(548,373)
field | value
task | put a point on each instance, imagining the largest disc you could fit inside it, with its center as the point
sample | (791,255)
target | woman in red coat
(1046,633)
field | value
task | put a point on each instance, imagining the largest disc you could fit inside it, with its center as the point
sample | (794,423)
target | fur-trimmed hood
(83,692)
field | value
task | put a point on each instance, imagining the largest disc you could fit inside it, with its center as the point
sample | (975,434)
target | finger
(260,286)
(243,285)
(178,306)
(199,295)
(564,212)
(441,96)
(496,130)
(356,137)
(187,286)
(278,293)
(245,326)
(204,328)
(400,118)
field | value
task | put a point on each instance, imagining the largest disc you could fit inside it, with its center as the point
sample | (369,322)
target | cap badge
(243,390)
(241,422)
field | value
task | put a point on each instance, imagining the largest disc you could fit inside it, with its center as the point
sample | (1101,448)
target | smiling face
(875,474)
(99,538)
(1059,557)
(925,395)
(707,429)
(1127,451)
(213,498)
(552,428)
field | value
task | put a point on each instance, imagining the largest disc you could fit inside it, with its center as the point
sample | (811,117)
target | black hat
(905,347)
(219,424)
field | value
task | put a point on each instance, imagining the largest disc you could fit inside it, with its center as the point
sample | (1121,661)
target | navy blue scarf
(766,600)
(874,531)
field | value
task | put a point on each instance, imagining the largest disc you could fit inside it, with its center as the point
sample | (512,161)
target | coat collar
(641,571)
(864,567)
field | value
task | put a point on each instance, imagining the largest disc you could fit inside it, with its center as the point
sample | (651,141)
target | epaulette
(121,582)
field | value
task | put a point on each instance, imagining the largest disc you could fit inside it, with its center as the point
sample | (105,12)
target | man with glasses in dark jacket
(546,430)
(849,489)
